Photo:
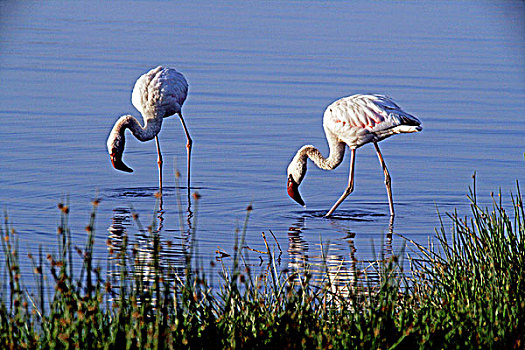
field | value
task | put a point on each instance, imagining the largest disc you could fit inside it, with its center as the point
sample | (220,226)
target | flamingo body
(157,94)
(352,121)
(359,119)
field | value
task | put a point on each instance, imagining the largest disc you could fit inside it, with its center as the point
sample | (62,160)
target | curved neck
(337,152)
(149,131)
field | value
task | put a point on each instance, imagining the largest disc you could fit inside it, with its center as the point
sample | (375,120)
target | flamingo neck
(117,139)
(150,130)
(337,152)
(297,167)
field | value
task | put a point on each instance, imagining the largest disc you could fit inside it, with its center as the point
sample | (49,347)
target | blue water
(260,75)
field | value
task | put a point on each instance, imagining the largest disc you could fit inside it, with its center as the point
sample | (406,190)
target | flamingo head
(116,160)
(293,190)
(296,172)
(116,148)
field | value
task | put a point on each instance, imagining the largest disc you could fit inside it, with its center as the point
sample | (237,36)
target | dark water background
(260,74)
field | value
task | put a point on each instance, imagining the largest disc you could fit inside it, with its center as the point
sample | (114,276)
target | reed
(470,285)
(464,291)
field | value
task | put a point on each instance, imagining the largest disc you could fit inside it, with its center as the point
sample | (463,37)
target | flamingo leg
(159,162)
(388,182)
(350,188)
(188,147)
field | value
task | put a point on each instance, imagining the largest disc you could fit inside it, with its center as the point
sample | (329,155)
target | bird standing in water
(157,94)
(352,121)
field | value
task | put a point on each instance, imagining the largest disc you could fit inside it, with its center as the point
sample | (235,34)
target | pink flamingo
(352,121)
(157,94)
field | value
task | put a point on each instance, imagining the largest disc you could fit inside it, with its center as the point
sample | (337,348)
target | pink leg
(350,188)
(188,147)
(388,181)
(159,162)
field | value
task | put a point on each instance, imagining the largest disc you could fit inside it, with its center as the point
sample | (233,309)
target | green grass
(464,291)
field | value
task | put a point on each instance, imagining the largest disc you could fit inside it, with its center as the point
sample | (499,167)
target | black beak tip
(127,169)
(119,164)
(293,192)
(299,199)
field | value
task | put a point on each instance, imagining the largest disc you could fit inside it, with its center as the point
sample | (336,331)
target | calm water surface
(260,77)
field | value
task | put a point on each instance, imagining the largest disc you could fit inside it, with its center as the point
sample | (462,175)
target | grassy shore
(465,291)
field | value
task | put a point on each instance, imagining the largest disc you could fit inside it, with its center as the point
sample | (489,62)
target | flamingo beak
(116,160)
(293,191)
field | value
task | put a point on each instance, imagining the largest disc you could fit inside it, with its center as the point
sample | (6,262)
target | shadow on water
(153,192)
(151,248)
(336,261)
(145,192)
(345,215)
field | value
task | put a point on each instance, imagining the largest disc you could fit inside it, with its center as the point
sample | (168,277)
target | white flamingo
(157,94)
(352,121)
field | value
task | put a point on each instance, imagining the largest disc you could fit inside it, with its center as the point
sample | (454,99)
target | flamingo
(352,121)
(157,94)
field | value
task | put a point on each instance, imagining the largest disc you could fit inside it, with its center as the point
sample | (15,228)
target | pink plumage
(157,94)
(359,119)
(352,121)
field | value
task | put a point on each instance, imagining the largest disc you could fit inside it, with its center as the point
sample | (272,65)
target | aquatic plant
(464,291)
(470,285)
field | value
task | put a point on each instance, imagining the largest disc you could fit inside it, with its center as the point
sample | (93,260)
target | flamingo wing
(160,92)
(359,119)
